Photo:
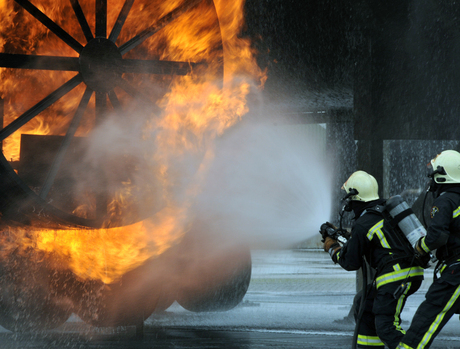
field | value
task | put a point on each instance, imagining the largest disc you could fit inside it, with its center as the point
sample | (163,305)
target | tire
(219,283)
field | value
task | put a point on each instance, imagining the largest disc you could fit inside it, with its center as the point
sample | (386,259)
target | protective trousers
(441,302)
(380,323)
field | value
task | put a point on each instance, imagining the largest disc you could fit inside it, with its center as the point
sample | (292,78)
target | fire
(196,109)
(103,254)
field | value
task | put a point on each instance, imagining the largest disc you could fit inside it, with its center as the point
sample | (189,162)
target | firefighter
(442,299)
(373,243)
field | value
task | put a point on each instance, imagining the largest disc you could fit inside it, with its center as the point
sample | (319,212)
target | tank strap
(397,256)
(375,209)
(399,217)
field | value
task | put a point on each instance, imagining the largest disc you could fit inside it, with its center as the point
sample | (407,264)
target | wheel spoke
(8,60)
(114,100)
(65,144)
(131,90)
(40,106)
(82,20)
(162,22)
(101,18)
(121,20)
(101,195)
(101,106)
(47,22)
(158,67)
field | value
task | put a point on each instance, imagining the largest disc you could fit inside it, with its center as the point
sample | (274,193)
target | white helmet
(365,184)
(446,167)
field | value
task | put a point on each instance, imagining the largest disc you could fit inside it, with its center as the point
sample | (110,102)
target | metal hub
(101,64)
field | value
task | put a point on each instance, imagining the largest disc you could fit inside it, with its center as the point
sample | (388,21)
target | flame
(196,109)
(103,254)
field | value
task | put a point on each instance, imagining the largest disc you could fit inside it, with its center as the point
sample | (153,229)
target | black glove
(328,230)
(423,258)
(346,234)
(419,249)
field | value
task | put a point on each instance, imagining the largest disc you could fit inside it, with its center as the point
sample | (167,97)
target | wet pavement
(296,299)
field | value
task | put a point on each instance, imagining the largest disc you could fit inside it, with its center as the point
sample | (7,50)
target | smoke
(269,185)
(264,183)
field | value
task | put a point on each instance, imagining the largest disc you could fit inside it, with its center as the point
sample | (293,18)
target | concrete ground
(296,299)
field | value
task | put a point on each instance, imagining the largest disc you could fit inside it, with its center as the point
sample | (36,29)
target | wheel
(220,288)
(66,85)
(211,276)
(126,302)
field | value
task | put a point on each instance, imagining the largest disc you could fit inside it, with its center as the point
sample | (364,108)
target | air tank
(402,215)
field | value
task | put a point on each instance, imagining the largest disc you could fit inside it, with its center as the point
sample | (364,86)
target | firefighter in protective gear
(373,242)
(442,299)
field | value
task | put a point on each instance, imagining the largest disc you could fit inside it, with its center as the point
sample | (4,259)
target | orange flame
(197,108)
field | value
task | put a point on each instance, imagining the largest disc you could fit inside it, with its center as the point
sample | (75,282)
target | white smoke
(269,185)
(265,182)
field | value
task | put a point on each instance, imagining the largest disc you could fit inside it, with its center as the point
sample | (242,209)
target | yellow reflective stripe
(337,256)
(456,213)
(397,267)
(403,346)
(369,340)
(445,266)
(424,246)
(377,229)
(399,305)
(398,275)
(434,326)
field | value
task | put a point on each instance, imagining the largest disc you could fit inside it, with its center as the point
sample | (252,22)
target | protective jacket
(444,230)
(386,252)
(442,299)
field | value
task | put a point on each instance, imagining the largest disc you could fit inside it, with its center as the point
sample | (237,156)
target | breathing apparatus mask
(347,199)
(347,204)
(435,185)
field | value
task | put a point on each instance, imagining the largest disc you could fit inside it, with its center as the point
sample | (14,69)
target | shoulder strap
(374,209)
(453,190)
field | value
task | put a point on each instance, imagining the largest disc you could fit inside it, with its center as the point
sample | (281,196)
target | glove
(419,249)
(422,257)
(346,234)
(328,230)
(331,245)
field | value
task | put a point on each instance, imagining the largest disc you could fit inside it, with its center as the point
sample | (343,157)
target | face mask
(435,187)
(347,200)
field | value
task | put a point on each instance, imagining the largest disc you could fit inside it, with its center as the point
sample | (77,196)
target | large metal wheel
(111,75)
(221,287)
(80,76)
(127,302)
(211,274)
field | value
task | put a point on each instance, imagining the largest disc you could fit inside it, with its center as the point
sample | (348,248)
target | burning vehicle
(110,111)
